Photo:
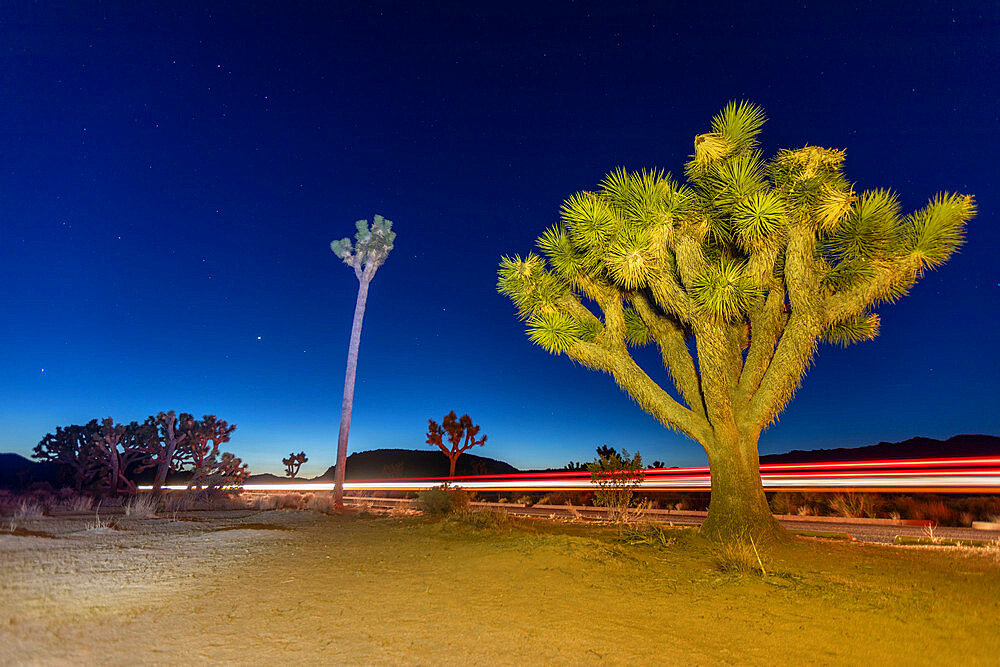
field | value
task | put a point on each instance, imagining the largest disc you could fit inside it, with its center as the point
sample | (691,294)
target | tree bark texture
(348,403)
(738,508)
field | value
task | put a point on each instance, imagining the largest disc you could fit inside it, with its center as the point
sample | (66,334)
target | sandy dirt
(297,587)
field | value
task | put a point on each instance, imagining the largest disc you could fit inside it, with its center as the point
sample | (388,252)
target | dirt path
(302,588)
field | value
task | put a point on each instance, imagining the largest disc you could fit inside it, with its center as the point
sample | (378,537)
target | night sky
(173,173)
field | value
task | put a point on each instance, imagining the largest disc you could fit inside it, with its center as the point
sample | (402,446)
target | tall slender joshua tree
(372,247)
(736,277)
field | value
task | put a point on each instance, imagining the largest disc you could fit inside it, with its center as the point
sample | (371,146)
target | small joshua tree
(293,463)
(371,248)
(124,448)
(201,448)
(171,433)
(455,429)
(72,448)
(617,478)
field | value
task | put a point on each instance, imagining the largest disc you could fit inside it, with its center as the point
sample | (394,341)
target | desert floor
(299,587)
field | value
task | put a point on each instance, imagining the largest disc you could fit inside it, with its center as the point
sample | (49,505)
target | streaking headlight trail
(957,475)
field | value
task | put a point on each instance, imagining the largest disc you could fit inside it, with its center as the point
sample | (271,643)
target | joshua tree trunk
(454,460)
(348,404)
(738,506)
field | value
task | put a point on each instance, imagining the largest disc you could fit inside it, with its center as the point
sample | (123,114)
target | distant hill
(382,463)
(17,472)
(398,463)
(914,448)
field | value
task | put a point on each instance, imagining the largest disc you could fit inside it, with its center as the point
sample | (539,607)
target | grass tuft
(141,507)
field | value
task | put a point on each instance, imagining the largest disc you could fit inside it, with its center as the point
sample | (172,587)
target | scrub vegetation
(475,587)
(736,275)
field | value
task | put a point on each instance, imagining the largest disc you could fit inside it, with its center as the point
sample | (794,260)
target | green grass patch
(905,540)
(823,535)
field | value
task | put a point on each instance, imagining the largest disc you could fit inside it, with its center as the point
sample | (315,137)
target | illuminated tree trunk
(348,404)
(738,506)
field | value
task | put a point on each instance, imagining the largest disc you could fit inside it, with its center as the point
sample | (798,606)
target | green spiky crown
(709,251)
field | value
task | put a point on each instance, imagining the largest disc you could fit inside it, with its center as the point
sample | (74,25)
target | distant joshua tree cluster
(105,458)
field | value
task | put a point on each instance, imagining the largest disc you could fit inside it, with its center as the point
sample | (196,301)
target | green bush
(617,478)
(739,556)
(443,500)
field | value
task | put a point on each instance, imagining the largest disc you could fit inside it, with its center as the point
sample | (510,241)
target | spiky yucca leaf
(558,247)
(723,291)
(640,196)
(709,148)
(631,261)
(588,219)
(848,274)
(589,329)
(554,332)
(731,183)
(758,218)
(853,330)
(832,205)
(937,230)
(870,230)
(740,123)
(529,284)
(636,331)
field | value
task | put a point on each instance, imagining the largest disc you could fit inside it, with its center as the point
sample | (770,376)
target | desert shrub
(140,507)
(320,503)
(488,520)
(78,503)
(938,512)
(616,477)
(738,556)
(263,502)
(853,505)
(651,534)
(525,500)
(27,510)
(178,501)
(980,507)
(443,499)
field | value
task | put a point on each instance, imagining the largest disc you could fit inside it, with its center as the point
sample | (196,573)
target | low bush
(652,534)
(738,556)
(27,510)
(488,520)
(78,503)
(178,501)
(141,507)
(443,499)
(321,503)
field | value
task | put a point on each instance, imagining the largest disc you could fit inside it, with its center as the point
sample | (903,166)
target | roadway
(879,531)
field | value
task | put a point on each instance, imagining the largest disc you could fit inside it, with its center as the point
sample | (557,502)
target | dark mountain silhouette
(914,448)
(388,463)
(18,473)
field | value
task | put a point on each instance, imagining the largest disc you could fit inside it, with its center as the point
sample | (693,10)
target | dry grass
(141,507)
(739,556)
(78,503)
(28,510)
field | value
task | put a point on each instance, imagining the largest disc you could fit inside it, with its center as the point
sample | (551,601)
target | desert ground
(303,587)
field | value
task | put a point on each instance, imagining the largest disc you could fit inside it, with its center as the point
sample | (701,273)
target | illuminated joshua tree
(293,463)
(371,248)
(736,277)
(455,429)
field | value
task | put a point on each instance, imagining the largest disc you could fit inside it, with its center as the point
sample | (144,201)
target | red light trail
(956,475)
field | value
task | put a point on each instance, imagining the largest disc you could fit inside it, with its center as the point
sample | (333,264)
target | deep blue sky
(171,179)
